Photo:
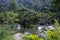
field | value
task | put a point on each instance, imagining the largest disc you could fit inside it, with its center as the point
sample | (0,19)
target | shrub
(32,37)
(9,16)
(54,34)
(5,33)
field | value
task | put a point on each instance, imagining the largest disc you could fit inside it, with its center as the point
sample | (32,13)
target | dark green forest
(29,14)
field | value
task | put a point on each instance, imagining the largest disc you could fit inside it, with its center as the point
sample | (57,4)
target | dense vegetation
(29,14)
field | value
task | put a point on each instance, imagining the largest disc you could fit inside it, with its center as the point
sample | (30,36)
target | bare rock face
(18,36)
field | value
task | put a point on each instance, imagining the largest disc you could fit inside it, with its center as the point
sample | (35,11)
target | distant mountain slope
(36,5)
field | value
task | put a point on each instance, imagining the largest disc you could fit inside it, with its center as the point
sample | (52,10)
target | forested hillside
(37,5)
(29,14)
(45,8)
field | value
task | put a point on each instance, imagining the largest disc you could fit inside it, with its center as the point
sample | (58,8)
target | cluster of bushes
(26,17)
(32,37)
(5,32)
(50,34)
(12,12)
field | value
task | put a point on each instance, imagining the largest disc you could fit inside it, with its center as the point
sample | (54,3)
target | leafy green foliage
(5,32)
(27,17)
(32,37)
(43,17)
(54,35)
(9,16)
(13,12)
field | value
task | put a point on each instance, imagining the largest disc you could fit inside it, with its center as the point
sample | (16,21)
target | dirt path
(18,36)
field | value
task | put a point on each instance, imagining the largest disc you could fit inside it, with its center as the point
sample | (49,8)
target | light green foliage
(32,37)
(5,32)
(57,26)
(52,35)
(56,23)
(9,37)
(55,34)
(10,16)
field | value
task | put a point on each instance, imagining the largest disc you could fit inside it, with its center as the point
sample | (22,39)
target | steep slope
(36,5)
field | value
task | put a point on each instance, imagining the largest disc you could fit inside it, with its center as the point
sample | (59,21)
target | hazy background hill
(36,5)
